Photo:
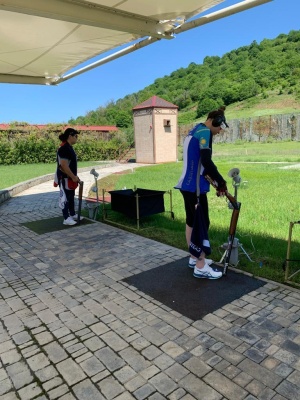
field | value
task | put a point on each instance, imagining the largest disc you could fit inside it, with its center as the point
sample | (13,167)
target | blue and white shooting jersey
(199,138)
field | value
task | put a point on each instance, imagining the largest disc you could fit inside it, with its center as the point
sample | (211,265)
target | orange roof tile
(155,102)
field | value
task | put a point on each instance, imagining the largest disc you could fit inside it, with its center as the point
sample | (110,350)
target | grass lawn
(269,194)
(14,174)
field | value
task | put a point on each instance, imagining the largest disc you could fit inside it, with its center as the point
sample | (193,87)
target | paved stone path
(71,329)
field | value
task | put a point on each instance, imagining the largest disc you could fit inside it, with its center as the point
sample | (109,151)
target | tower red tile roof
(155,102)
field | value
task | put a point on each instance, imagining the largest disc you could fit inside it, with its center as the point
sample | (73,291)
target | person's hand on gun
(76,179)
(222,189)
(64,167)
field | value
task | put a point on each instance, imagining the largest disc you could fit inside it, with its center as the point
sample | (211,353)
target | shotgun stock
(233,222)
(232,228)
(79,201)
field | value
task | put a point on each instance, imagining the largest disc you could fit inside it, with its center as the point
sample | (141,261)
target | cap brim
(224,125)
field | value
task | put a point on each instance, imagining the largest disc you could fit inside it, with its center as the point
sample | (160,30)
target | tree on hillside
(123,119)
(206,105)
(241,74)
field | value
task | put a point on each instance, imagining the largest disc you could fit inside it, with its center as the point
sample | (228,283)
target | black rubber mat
(174,285)
(52,225)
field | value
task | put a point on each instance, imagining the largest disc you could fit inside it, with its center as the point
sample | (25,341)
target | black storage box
(137,203)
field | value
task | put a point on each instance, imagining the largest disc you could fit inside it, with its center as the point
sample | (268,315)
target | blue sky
(131,73)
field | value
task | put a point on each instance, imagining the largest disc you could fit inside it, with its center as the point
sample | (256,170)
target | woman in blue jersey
(197,153)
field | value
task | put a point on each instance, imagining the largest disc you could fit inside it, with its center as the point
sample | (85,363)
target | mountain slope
(259,79)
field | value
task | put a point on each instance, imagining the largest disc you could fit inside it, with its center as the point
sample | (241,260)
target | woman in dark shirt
(67,173)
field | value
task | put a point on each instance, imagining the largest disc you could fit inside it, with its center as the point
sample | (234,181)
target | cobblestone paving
(71,329)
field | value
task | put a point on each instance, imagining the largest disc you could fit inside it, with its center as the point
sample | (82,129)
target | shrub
(40,148)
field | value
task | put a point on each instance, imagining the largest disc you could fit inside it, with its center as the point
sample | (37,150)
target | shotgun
(233,222)
(79,201)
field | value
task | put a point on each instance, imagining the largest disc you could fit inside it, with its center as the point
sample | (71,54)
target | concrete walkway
(70,328)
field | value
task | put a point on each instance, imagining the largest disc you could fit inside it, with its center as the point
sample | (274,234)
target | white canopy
(42,41)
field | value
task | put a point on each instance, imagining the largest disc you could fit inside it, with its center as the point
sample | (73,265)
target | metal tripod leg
(244,251)
(222,258)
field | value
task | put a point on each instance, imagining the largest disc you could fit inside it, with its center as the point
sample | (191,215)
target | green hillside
(259,79)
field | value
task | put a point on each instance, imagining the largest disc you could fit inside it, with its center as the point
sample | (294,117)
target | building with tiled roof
(157,102)
(155,131)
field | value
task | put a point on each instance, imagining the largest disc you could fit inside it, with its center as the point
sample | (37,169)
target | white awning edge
(48,42)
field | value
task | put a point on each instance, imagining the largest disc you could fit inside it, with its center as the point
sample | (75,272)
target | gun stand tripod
(234,256)
(94,207)
(234,253)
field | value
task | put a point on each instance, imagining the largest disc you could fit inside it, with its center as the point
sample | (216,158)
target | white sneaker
(75,217)
(192,262)
(207,272)
(69,221)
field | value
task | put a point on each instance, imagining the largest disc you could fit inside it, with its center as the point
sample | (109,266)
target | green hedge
(32,148)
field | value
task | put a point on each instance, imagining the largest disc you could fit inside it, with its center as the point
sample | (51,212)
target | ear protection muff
(218,120)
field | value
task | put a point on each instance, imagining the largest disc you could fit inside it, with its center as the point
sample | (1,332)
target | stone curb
(10,192)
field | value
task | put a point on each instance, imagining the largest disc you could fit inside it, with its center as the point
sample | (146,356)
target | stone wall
(257,129)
